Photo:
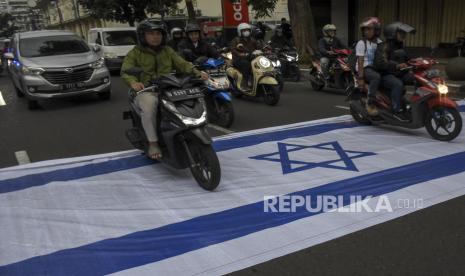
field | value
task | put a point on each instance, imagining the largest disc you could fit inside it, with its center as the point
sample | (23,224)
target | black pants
(243,65)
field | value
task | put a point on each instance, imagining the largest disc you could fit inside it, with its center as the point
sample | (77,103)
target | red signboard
(235,12)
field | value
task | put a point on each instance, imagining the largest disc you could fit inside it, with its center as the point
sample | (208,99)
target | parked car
(115,44)
(56,64)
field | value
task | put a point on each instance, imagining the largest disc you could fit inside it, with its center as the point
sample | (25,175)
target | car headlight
(276,63)
(188,121)
(443,89)
(264,62)
(99,63)
(110,55)
(31,71)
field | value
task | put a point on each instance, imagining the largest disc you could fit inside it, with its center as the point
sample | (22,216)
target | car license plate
(70,86)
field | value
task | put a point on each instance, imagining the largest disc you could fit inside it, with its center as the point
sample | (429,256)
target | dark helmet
(148,25)
(391,30)
(192,27)
(371,22)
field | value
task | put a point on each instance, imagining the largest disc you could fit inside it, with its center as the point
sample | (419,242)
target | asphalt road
(427,242)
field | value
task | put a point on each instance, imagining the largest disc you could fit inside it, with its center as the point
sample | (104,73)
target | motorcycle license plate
(184,94)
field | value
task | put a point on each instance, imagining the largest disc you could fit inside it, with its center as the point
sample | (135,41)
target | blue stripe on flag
(461,108)
(33,180)
(144,247)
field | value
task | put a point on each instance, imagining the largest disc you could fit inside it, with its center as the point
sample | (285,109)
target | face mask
(246,33)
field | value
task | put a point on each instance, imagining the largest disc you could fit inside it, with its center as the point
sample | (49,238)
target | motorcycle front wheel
(316,80)
(443,123)
(223,114)
(271,94)
(206,169)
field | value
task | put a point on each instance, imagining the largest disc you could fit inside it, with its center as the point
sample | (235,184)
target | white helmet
(241,27)
(328,27)
(175,30)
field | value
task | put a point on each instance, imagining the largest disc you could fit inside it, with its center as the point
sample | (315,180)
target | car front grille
(79,74)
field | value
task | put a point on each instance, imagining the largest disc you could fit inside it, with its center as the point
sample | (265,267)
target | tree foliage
(7,27)
(129,11)
(262,8)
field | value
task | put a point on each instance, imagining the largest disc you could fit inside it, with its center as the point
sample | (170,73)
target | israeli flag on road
(121,213)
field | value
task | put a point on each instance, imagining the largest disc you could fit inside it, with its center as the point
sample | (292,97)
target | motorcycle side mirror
(134,71)
(96,48)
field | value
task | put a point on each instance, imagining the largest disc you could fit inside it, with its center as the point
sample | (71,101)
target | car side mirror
(134,71)
(96,48)
(8,55)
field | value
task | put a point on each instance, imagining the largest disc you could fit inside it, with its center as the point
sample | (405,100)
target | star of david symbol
(343,162)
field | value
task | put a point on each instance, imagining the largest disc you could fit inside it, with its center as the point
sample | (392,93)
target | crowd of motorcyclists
(377,62)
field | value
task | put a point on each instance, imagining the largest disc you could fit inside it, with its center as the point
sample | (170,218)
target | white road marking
(2,101)
(221,129)
(342,107)
(22,157)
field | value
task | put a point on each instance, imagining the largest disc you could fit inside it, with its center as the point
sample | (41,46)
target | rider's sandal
(154,152)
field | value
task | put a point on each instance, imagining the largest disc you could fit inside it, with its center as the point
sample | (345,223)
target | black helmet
(148,25)
(391,30)
(192,27)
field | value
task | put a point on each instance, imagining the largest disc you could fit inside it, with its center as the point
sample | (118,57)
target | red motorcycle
(427,107)
(340,75)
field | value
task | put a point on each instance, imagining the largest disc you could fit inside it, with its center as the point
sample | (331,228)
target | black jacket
(387,57)
(250,45)
(280,41)
(329,44)
(203,49)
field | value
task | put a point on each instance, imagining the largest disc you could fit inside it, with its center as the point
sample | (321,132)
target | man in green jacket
(155,59)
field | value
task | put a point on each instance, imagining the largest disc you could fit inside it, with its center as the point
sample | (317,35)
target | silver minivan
(56,64)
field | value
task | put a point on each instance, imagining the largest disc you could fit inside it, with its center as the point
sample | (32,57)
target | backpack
(352,58)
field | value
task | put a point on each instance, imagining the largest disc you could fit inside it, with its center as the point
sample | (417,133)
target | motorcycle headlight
(188,121)
(264,62)
(290,58)
(276,63)
(31,71)
(216,85)
(443,89)
(110,55)
(99,63)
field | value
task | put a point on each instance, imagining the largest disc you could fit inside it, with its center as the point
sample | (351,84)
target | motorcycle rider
(365,51)
(194,47)
(220,39)
(241,47)
(176,38)
(390,57)
(155,59)
(326,45)
(278,40)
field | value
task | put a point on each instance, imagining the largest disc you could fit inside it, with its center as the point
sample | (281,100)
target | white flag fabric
(122,213)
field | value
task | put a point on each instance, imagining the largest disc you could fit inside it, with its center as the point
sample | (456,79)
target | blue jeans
(396,86)
(373,78)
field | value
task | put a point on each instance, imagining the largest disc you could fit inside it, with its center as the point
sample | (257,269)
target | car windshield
(52,45)
(119,38)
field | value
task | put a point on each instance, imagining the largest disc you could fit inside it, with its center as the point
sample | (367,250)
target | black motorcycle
(289,58)
(181,122)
